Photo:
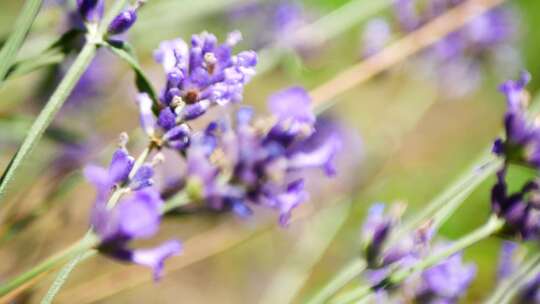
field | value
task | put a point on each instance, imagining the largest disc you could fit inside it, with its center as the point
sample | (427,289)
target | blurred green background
(415,142)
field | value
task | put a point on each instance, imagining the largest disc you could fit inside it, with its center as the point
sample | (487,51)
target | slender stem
(84,244)
(180,199)
(21,28)
(347,274)
(424,37)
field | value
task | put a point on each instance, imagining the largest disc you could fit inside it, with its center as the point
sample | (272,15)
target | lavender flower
(135,216)
(271,22)
(520,209)
(204,75)
(91,10)
(522,142)
(252,164)
(122,22)
(125,20)
(376,35)
(444,282)
(507,263)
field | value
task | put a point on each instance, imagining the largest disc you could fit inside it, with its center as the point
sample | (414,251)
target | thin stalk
(180,199)
(84,244)
(347,274)
(21,28)
(493,225)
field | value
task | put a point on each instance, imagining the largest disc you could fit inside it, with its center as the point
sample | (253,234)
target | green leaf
(20,30)
(54,54)
(125,51)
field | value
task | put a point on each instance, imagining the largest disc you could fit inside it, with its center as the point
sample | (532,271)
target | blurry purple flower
(271,22)
(531,293)
(461,57)
(522,142)
(91,10)
(247,164)
(507,262)
(520,209)
(447,281)
(375,37)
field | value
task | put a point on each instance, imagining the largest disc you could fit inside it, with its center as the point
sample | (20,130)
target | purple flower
(522,142)
(375,37)
(136,215)
(447,281)
(507,261)
(122,22)
(91,10)
(204,74)
(165,129)
(244,164)
(378,229)
(521,209)
(462,56)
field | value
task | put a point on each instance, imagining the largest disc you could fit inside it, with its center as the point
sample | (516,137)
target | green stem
(347,274)
(20,30)
(493,225)
(82,245)
(180,199)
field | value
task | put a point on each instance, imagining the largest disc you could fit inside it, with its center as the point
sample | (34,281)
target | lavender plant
(235,161)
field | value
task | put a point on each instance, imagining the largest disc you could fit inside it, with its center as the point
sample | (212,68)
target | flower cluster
(254,162)
(463,54)
(135,215)
(198,77)
(521,146)
(444,282)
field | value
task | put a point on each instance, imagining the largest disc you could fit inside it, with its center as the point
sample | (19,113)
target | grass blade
(16,39)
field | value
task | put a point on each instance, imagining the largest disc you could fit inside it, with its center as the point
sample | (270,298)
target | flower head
(204,74)
(136,215)
(522,141)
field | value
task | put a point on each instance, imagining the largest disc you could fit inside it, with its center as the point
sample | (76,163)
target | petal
(99,177)
(293,103)
(143,177)
(120,166)
(155,258)
(139,215)
(148,120)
